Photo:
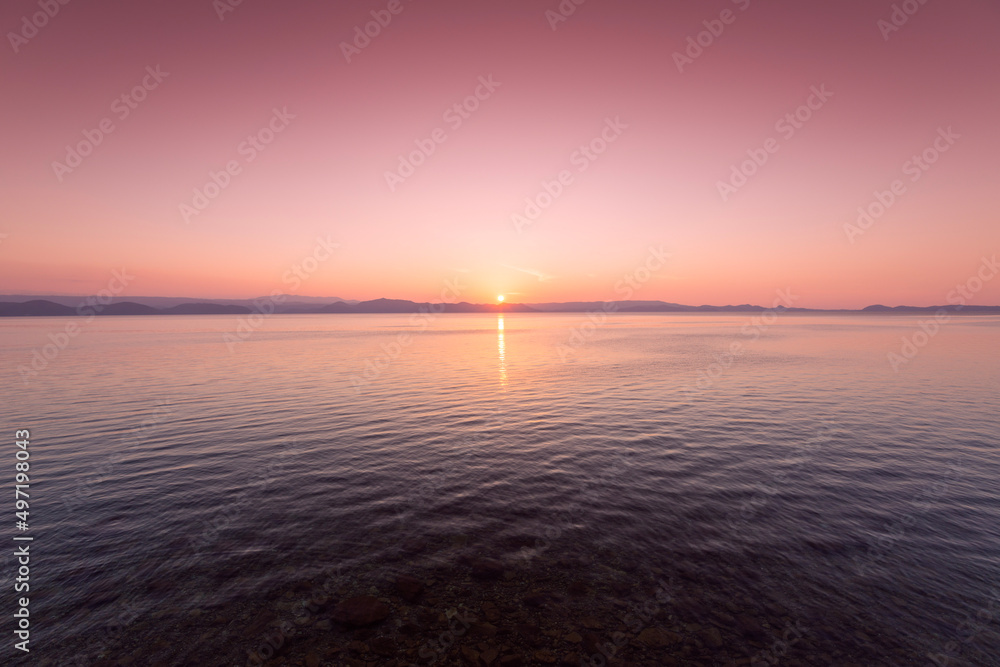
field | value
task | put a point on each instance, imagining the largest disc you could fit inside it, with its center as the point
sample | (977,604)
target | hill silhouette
(49,308)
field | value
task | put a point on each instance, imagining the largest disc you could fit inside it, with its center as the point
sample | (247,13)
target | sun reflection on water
(501,353)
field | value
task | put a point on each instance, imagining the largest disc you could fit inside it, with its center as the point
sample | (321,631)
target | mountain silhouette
(84,306)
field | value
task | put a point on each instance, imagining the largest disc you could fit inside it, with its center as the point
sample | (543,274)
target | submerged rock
(383,646)
(491,612)
(360,611)
(486,569)
(409,588)
(545,656)
(712,637)
(657,637)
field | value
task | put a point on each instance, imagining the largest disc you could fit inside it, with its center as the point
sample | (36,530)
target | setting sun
(500,298)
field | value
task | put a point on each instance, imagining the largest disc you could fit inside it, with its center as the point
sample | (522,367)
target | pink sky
(655,185)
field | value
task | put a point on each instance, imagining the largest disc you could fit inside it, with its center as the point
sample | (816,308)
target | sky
(211,149)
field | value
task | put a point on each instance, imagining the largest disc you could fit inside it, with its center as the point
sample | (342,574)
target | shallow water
(183,486)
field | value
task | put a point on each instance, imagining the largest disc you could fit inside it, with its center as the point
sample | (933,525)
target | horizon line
(498,305)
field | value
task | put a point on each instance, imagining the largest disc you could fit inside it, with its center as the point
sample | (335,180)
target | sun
(500,298)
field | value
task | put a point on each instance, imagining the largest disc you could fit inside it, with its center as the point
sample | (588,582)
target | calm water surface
(183,489)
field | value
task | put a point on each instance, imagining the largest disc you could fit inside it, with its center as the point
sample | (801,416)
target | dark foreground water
(506,491)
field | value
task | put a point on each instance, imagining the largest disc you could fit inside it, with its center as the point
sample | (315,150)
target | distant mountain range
(171,301)
(63,306)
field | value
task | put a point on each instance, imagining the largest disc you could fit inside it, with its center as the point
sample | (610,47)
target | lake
(668,489)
